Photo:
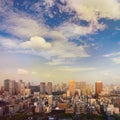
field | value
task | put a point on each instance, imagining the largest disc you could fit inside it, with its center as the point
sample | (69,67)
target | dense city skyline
(59,40)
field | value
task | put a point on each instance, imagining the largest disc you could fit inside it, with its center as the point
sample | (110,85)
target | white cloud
(92,10)
(106,73)
(56,35)
(22,72)
(112,54)
(57,52)
(24,26)
(8,43)
(49,3)
(60,61)
(116,60)
(19,23)
(115,57)
(36,42)
(71,30)
(76,69)
(65,49)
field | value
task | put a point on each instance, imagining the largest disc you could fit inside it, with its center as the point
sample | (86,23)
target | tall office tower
(1,89)
(6,84)
(98,87)
(72,87)
(9,85)
(12,87)
(49,88)
(17,87)
(22,87)
(42,88)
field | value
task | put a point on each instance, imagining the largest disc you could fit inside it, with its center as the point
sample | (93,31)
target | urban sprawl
(61,101)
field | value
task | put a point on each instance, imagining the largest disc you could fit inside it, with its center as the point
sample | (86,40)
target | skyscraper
(72,87)
(22,87)
(42,88)
(12,87)
(98,87)
(49,88)
(6,84)
(9,85)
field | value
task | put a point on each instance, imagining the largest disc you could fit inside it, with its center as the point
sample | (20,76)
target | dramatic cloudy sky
(59,40)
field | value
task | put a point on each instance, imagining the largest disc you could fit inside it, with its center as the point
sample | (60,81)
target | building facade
(98,87)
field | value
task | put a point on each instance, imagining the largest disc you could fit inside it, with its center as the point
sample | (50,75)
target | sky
(60,40)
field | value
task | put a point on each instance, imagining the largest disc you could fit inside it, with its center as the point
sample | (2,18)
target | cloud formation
(7,43)
(92,10)
(116,60)
(32,30)
(22,72)
(75,69)
(36,42)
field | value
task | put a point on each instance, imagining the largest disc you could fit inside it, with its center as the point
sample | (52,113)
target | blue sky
(59,40)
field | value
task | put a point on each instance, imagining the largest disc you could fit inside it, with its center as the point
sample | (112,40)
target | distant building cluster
(14,88)
(74,97)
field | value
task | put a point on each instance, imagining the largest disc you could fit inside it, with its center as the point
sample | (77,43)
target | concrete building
(79,107)
(9,86)
(49,88)
(22,87)
(42,88)
(116,110)
(1,111)
(50,99)
(98,87)
(6,84)
(12,87)
(72,87)
(27,92)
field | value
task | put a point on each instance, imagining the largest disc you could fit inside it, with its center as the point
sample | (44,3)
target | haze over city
(60,40)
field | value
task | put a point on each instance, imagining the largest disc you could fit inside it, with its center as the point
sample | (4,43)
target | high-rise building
(42,88)
(72,87)
(17,87)
(9,85)
(49,88)
(22,87)
(0,87)
(98,87)
(6,84)
(12,87)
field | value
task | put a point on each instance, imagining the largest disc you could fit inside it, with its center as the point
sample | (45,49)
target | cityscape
(70,101)
(59,60)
